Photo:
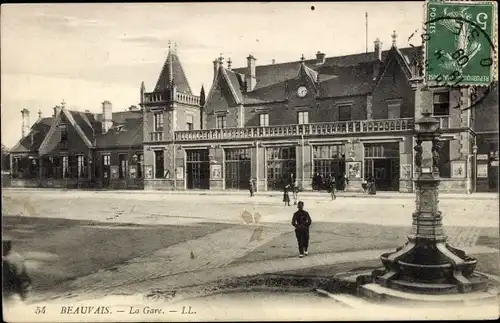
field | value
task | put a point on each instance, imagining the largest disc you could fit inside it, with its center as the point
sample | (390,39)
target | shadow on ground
(58,250)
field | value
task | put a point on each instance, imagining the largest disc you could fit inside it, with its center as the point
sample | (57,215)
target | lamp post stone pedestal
(426,264)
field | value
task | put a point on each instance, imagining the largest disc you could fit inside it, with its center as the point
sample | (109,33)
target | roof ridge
(326,58)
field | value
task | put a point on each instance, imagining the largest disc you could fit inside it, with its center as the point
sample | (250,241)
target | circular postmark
(459,48)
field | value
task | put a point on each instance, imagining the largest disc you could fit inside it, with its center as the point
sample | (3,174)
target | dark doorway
(281,164)
(382,164)
(237,168)
(198,169)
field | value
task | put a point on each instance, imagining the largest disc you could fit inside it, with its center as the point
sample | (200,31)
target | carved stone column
(426,264)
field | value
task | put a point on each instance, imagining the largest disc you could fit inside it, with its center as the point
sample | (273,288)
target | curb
(271,194)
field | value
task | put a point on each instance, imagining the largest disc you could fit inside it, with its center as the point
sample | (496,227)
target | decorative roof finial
(394,36)
(229,63)
(175,47)
(169,45)
(39,114)
(221,59)
(302,58)
(63,104)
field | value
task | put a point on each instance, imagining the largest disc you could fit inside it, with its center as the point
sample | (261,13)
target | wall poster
(216,171)
(148,171)
(458,169)
(354,169)
(482,171)
(179,172)
(114,172)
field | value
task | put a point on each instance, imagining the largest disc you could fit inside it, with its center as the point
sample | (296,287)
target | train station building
(350,116)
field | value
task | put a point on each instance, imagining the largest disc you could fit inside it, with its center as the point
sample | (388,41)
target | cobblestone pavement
(209,257)
(211,251)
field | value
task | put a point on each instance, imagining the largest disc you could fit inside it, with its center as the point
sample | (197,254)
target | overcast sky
(88,53)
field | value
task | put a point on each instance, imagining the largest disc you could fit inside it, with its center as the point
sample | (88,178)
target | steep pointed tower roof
(172,71)
(202,96)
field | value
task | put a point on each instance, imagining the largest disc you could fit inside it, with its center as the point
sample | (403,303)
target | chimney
(377,46)
(216,67)
(273,61)
(25,127)
(378,49)
(57,109)
(250,77)
(320,58)
(107,110)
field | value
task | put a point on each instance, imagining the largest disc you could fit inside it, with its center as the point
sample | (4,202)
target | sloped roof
(172,69)
(39,130)
(338,76)
(127,132)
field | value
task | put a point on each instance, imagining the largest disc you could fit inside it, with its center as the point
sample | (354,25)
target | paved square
(95,243)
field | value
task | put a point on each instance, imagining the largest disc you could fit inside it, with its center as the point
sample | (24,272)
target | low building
(348,116)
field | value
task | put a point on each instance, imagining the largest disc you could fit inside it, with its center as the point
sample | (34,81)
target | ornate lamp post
(426,264)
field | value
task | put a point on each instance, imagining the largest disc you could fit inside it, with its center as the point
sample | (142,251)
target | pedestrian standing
(251,187)
(332,187)
(16,282)
(301,220)
(286,196)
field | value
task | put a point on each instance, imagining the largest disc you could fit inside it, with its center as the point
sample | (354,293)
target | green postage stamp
(460,43)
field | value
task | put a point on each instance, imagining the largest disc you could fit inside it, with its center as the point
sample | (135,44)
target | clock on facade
(302,91)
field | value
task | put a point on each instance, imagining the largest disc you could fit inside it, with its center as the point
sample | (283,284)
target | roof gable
(333,70)
(394,56)
(172,70)
(232,83)
(36,136)
(69,116)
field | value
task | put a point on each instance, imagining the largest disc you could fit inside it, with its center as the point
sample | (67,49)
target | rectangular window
(140,162)
(264,120)
(441,103)
(65,166)
(303,117)
(158,121)
(80,166)
(189,122)
(220,122)
(122,160)
(107,160)
(345,112)
(159,164)
(64,132)
(394,111)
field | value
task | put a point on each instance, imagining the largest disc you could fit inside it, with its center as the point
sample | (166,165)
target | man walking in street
(16,282)
(302,221)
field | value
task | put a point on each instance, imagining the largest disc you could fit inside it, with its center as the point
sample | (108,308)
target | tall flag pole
(366,33)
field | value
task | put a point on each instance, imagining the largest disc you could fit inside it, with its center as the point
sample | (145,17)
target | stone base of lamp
(376,293)
(430,267)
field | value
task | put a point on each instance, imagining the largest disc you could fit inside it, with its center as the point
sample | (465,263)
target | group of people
(322,183)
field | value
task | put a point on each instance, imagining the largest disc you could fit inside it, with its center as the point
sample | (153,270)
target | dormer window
(64,132)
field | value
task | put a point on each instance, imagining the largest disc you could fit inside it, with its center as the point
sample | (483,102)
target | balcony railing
(163,97)
(156,136)
(444,121)
(359,126)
